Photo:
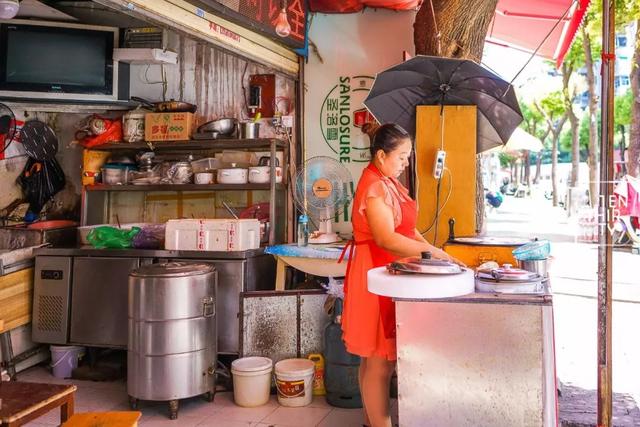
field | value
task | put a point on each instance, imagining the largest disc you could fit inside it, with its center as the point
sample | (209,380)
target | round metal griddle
(424,264)
(39,140)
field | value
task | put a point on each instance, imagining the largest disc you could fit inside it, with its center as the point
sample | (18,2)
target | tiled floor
(112,396)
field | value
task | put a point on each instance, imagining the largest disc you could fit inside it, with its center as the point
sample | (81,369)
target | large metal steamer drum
(172,350)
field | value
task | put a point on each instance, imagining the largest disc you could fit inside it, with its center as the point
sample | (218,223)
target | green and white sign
(342,116)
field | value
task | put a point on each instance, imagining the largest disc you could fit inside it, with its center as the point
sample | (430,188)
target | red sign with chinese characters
(261,15)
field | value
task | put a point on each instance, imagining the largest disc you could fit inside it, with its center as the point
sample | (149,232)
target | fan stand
(325,234)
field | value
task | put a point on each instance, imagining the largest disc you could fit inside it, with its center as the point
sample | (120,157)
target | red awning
(520,24)
(350,6)
(525,24)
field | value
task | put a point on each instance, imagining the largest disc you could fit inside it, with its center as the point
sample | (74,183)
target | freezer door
(99,301)
(231,281)
(52,287)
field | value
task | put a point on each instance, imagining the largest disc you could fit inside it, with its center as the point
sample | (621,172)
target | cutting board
(16,295)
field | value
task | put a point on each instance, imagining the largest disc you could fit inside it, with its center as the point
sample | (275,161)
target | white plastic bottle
(303,230)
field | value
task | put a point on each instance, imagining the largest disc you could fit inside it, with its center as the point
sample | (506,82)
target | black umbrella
(431,80)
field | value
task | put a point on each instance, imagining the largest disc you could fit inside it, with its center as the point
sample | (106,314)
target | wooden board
(16,295)
(104,419)
(460,145)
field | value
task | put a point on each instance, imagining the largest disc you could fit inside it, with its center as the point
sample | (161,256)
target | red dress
(368,320)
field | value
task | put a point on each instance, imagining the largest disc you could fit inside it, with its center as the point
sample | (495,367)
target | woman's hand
(446,257)
(456,261)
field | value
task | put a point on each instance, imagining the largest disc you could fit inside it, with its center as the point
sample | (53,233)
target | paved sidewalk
(578,408)
(573,274)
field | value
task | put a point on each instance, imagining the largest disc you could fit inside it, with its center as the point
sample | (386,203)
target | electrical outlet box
(287,121)
(438,165)
(262,94)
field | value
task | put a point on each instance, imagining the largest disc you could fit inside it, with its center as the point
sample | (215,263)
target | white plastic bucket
(251,381)
(294,381)
(64,359)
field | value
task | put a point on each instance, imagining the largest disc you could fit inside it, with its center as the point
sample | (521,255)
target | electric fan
(322,191)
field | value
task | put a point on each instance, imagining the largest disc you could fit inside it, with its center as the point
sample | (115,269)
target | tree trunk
(594,173)
(462,26)
(622,148)
(567,70)
(634,132)
(527,168)
(536,178)
(554,166)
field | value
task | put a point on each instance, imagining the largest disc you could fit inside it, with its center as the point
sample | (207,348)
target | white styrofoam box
(212,234)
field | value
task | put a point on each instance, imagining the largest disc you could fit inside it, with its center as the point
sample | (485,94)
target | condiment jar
(133,125)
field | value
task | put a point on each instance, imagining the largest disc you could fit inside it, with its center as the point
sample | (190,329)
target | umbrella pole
(604,238)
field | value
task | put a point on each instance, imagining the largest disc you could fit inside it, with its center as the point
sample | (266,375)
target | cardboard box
(168,126)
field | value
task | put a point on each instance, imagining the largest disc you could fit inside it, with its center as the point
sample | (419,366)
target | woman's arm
(419,237)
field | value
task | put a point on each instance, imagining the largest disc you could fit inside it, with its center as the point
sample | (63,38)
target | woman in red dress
(384,229)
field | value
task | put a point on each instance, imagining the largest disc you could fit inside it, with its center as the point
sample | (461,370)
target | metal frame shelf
(92,205)
(196,144)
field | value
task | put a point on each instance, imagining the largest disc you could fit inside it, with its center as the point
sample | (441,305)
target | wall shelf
(196,144)
(183,187)
(49,106)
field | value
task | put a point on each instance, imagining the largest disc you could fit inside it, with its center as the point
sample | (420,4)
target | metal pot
(232,175)
(133,125)
(224,126)
(264,231)
(171,352)
(262,174)
(538,266)
(507,279)
(249,130)
(171,106)
(266,161)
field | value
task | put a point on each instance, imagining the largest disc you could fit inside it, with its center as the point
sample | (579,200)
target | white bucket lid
(295,367)
(251,364)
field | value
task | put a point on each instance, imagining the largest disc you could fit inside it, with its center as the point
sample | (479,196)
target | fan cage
(339,177)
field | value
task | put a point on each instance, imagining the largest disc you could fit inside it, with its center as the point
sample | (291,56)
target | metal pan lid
(508,274)
(424,264)
(173,269)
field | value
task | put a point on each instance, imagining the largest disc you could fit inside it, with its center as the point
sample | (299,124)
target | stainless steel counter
(80,294)
(479,359)
(147,253)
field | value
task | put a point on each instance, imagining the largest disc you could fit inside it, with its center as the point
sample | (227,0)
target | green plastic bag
(111,237)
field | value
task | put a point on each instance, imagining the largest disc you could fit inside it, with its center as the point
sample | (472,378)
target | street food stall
(481,355)
(217,167)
